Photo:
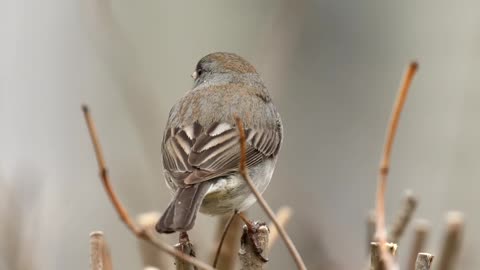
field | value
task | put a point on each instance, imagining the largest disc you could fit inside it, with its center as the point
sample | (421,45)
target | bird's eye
(197,73)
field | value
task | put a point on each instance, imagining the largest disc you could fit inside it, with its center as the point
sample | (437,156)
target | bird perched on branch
(201,150)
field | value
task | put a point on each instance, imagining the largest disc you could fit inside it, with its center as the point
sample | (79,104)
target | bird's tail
(182,211)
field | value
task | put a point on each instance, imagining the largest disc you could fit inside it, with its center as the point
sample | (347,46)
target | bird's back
(222,102)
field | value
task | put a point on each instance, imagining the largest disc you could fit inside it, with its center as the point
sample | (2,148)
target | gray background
(332,67)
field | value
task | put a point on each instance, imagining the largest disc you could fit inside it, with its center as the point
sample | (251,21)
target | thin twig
(370,229)
(225,231)
(381,232)
(424,261)
(151,255)
(422,228)
(404,217)
(452,242)
(99,254)
(248,257)
(283,215)
(244,172)
(122,212)
(107,257)
(376,261)
(96,254)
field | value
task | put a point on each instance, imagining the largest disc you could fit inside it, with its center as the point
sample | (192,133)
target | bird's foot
(185,245)
(250,233)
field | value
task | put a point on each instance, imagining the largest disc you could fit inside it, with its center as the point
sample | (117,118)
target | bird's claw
(252,233)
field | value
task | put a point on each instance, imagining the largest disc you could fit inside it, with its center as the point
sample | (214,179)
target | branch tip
(85,108)
(455,220)
(452,240)
(96,234)
(414,65)
(385,164)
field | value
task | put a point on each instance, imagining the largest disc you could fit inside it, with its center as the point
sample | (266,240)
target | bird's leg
(183,237)
(252,228)
(184,241)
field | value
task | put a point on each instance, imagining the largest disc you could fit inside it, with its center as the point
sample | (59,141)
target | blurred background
(332,67)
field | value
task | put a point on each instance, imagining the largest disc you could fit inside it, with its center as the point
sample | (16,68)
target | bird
(200,146)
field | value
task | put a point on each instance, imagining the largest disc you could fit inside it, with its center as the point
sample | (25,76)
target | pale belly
(233,193)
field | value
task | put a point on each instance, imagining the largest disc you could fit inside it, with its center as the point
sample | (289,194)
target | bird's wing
(195,154)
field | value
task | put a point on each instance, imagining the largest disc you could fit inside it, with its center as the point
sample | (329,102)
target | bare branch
(283,215)
(381,232)
(122,212)
(376,260)
(370,228)
(422,228)
(424,261)
(452,242)
(104,173)
(248,257)
(99,253)
(107,257)
(404,217)
(244,172)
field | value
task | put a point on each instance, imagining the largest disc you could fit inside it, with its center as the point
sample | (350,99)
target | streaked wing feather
(195,154)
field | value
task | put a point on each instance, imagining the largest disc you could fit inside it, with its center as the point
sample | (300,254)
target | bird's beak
(194,75)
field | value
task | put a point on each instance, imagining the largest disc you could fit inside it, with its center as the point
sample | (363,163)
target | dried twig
(283,215)
(122,212)
(107,257)
(424,261)
(104,174)
(403,218)
(453,238)
(376,261)
(244,172)
(248,257)
(99,253)
(381,232)
(421,228)
(370,229)
(229,233)
(151,255)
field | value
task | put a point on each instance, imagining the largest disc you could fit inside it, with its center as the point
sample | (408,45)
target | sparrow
(200,147)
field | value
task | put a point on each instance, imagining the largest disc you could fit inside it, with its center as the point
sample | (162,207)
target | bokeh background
(332,67)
